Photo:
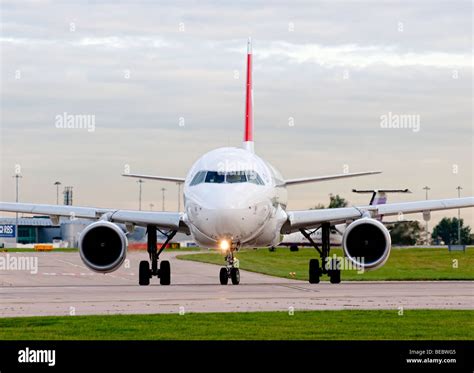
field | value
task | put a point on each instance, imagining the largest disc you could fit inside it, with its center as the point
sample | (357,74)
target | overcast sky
(325,74)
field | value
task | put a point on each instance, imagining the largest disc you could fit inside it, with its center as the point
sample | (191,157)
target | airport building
(41,229)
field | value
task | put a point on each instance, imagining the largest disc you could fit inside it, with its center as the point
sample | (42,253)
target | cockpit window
(253,177)
(227,178)
(198,178)
(237,177)
(215,177)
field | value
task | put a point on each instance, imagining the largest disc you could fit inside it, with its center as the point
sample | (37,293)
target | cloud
(344,65)
(360,56)
(127,42)
(123,42)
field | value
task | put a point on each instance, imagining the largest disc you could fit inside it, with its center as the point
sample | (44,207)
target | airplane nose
(224,218)
(223,202)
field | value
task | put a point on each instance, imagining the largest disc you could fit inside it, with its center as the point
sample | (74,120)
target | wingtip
(249,45)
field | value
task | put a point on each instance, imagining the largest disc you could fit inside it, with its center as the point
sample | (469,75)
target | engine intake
(367,243)
(103,246)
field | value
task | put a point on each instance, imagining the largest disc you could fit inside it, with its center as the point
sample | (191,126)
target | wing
(313,218)
(165,220)
(152,177)
(313,179)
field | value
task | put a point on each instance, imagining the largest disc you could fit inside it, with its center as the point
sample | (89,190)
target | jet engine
(103,246)
(367,243)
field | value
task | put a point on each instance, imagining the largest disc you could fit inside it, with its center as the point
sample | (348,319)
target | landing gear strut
(231,270)
(164,270)
(328,266)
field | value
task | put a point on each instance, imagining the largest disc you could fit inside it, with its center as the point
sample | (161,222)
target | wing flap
(54,210)
(420,206)
(167,220)
(313,218)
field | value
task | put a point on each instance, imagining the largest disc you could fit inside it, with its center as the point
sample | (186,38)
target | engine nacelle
(103,246)
(367,243)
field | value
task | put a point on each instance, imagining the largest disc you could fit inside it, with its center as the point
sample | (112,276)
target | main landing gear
(231,270)
(164,271)
(328,266)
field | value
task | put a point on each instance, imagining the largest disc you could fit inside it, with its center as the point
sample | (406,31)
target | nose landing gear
(224,276)
(231,270)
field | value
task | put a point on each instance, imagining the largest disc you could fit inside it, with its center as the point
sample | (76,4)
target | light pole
(57,183)
(163,199)
(426,189)
(140,182)
(17,177)
(459,216)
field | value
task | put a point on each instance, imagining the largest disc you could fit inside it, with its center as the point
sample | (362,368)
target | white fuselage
(232,194)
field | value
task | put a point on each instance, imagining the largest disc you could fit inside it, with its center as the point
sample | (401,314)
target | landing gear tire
(144,273)
(294,248)
(224,276)
(314,271)
(165,273)
(334,274)
(235,276)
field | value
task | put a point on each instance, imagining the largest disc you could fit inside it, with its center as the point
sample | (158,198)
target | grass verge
(403,264)
(304,325)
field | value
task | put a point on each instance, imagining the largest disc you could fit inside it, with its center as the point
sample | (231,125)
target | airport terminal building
(41,229)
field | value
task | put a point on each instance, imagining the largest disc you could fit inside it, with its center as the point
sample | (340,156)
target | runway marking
(83,267)
(123,278)
(297,287)
(72,264)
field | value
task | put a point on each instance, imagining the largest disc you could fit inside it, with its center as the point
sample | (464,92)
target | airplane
(378,197)
(234,199)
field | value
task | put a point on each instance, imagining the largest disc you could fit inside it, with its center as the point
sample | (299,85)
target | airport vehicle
(234,199)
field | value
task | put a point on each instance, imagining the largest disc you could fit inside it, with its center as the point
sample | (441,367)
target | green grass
(403,264)
(312,325)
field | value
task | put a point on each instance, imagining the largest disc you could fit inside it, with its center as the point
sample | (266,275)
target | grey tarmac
(64,286)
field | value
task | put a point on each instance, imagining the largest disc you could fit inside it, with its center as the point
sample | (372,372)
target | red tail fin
(248,136)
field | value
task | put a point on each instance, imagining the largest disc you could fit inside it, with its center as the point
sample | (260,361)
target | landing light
(224,245)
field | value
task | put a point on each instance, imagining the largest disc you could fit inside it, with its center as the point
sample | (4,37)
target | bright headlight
(224,245)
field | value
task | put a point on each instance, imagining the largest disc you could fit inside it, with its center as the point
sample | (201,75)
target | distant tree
(334,201)
(406,233)
(447,230)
